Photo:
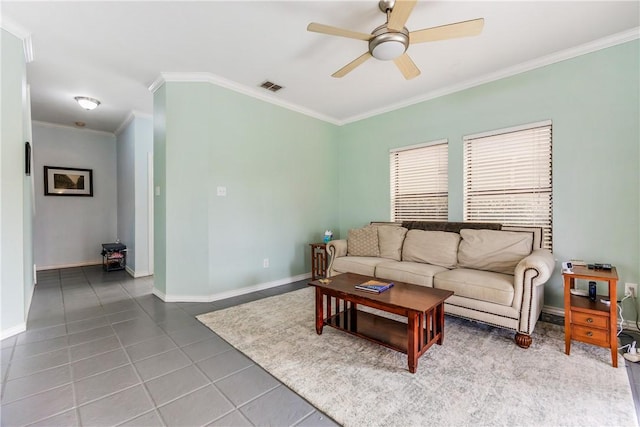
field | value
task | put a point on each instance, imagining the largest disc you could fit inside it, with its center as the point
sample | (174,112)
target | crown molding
(132,115)
(204,77)
(593,46)
(27,46)
(156,84)
(21,33)
(65,127)
(15,29)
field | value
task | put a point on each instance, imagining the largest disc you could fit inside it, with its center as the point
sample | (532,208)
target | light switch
(222,191)
(158,190)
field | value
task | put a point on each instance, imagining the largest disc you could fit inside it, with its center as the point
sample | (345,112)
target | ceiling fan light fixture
(387,45)
(388,50)
(86,102)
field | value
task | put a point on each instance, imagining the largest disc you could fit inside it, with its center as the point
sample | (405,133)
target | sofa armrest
(530,275)
(540,260)
(335,249)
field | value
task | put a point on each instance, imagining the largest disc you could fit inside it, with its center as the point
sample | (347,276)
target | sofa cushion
(477,284)
(431,247)
(536,233)
(492,250)
(390,239)
(409,272)
(357,264)
(363,242)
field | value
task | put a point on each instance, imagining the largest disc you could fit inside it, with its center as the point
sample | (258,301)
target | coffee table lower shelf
(337,303)
(381,330)
(422,330)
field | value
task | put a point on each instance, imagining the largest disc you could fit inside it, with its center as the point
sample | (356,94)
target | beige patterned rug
(479,376)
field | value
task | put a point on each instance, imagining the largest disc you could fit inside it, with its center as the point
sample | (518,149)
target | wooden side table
(318,260)
(591,322)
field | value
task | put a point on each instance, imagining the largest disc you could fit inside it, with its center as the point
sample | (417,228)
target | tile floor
(100,349)
(633,369)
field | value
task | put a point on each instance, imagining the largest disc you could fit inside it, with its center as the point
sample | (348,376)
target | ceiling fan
(391,39)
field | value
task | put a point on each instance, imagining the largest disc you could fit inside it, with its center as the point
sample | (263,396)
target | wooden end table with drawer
(591,322)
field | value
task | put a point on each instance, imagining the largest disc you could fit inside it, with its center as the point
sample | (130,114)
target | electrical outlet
(631,289)
(265,263)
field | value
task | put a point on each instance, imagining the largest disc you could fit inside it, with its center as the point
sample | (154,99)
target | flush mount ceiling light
(86,102)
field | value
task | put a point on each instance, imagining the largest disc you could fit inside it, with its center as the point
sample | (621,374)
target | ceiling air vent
(270,86)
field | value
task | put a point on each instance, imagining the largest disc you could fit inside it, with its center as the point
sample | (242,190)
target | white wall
(69,231)
(134,143)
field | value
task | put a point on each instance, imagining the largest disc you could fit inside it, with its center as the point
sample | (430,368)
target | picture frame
(64,181)
(27,158)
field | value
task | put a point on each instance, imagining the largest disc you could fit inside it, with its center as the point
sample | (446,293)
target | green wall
(280,175)
(16,195)
(160,200)
(288,176)
(593,101)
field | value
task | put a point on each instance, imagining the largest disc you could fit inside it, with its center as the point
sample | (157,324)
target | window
(419,182)
(507,177)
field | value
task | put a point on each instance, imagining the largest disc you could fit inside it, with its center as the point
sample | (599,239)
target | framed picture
(60,181)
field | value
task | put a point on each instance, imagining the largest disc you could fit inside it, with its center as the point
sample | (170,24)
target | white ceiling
(114,51)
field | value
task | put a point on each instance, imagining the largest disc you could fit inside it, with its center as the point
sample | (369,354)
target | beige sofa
(497,273)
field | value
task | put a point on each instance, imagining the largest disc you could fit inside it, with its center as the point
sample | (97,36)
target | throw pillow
(390,240)
(492,250)
(363,242)
(431,247)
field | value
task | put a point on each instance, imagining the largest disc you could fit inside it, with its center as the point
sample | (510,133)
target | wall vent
(270,86)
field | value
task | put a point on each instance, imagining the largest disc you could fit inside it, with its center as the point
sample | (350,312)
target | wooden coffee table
(422,306)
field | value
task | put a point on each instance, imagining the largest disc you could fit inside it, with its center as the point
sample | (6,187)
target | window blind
(508,178)
(419,182)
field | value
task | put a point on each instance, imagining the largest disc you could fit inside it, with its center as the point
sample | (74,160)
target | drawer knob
(589,320)
(589,334)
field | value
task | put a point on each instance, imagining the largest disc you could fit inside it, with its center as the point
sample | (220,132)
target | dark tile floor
(633,368)
(100,349)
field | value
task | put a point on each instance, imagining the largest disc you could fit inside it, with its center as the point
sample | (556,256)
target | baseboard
(155,291)
(76,264)
(229,294)
(556,311)
(21,327)
(136,274)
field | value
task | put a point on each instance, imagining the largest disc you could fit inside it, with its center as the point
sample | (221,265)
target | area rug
(478,376)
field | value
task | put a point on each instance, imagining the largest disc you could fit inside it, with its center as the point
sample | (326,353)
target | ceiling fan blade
(335,31)
(449,31)
(407,67)
(351,65)
(400,13)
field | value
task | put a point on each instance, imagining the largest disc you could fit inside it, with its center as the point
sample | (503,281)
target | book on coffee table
(374,286)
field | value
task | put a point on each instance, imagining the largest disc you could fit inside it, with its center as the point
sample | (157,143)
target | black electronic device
(599,266)
(592,291)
